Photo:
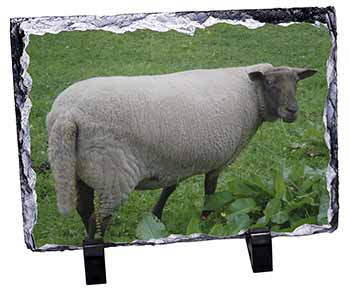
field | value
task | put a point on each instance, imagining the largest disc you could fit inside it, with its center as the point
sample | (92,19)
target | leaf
(218,200)
(306,186)
(297,173)
(279,186)
(231,228)
(241,221)
(193,226)
(217,230)
(275,228)
(244,188)
(295,146)
(286,172)
(314,172)
(259,185)
(304,200)
(272,208)
(288,196)
(262,221)
(235,223)
(322,217)
(241,187)
(150,228)
(280,218)
(242,206)
(313,134)
(299,222)
(257,181)
(317,149)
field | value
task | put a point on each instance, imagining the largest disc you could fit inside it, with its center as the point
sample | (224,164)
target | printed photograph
(145,134)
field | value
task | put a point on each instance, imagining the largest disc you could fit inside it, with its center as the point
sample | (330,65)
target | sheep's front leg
(211,180)
(158,208)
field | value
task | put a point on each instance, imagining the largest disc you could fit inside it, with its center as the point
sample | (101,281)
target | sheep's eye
(269,82)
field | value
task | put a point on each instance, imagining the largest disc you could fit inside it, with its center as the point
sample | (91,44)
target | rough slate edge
(274,16)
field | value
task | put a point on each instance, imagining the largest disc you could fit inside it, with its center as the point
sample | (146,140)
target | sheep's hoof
(157,214)
(205,214)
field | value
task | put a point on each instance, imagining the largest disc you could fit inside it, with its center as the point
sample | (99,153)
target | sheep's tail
(62,157)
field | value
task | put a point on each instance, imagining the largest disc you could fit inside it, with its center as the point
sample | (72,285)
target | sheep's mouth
(288,116)
(289,119)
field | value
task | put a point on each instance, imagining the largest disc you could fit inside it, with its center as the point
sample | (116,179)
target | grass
(56,61)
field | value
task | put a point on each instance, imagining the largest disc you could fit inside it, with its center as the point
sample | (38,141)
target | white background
(319,261)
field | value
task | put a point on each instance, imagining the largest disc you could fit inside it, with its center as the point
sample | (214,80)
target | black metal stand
(94,260)
(259,245)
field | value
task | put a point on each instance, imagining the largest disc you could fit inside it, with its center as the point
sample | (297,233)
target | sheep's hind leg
(98,223)
(118,184)
(98,218)
(158,208)
(211,180)
(85,205)
(116,175)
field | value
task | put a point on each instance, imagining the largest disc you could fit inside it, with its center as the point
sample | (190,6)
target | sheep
(111,135)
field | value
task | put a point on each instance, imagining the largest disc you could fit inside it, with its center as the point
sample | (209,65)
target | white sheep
(114,134)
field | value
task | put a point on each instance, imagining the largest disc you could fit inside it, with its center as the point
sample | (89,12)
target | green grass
(56,61)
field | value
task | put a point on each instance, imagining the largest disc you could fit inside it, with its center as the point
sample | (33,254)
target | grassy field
(56,61)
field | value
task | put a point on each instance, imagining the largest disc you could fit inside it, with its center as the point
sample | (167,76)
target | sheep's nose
(292,108)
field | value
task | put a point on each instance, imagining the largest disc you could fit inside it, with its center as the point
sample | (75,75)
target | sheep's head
(278,88)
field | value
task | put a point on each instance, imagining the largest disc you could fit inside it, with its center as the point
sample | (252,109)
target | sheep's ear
(256,75)
(304,72)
